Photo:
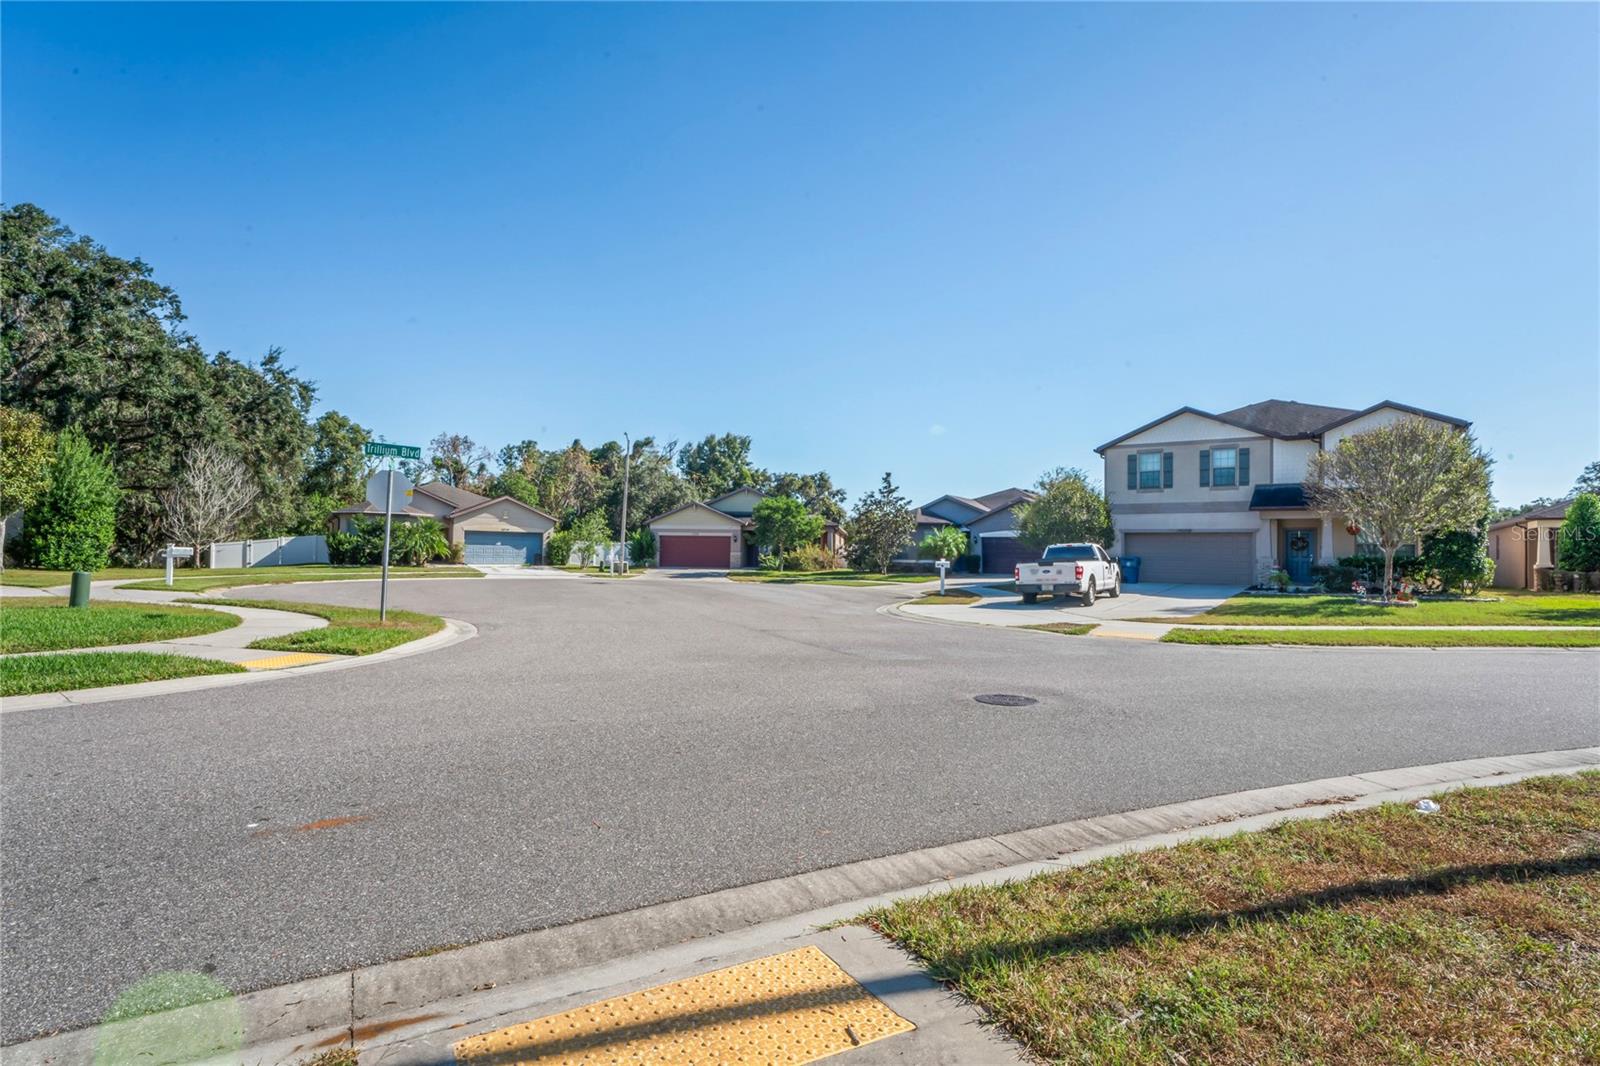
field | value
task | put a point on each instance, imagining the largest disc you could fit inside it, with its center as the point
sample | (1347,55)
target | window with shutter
(1205,467)
(1149,470)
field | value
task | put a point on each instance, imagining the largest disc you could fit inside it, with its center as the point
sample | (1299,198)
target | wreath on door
(1299,543)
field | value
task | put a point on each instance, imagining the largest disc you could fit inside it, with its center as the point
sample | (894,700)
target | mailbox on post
(175,552)
(943,565)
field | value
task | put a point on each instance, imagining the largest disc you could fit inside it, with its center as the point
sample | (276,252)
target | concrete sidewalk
(415,1011)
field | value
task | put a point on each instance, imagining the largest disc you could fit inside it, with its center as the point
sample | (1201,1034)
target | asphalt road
(604,745)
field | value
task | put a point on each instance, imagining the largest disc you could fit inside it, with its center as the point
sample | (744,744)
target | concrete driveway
(606,745)
(1144,600)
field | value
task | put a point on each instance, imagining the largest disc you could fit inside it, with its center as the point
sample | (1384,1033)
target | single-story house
(498,531)
(719,534)
(1524,544)
(989,522)
(1220,498)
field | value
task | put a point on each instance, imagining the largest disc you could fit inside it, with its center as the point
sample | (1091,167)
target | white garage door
(1194,558)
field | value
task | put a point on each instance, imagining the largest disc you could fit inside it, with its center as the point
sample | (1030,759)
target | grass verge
(1513,609)
(1071,629)
(1554,637)
(200,580)
(48,624)
(23,577)
(828,577)
(1383,935)
(949,596)
(350,630)
(95,669)
(589,571)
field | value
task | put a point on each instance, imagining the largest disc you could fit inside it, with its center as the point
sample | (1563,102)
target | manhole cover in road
(1005,699)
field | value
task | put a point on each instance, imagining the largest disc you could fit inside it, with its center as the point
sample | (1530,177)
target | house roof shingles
(1285,419)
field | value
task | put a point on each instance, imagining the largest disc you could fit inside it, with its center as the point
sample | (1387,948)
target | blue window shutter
(1133,470)
(1205,467)
(1244,466)
(1166,470)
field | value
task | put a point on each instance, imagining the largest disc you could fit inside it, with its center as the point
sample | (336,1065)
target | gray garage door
(1002,554)
(483,548)
(1194,558)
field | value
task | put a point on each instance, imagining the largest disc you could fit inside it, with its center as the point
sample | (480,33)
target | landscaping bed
(28,674)
(1510,609)
(957,597)
(1068,629)
(350,630)
(200,580)
(48,624)
(829,577)
(1384,935)
(1393,637)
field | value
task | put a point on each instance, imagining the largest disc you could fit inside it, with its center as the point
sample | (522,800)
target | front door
(1299,554)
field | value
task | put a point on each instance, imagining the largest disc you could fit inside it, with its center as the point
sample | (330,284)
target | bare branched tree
(213,494)
(1402,482)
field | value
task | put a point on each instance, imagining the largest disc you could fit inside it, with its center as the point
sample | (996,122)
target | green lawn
(95,669)
(48,624)
(49,579)
(350,630)
(200,580)
(1378,936)
(827,577)
(1513,609)
(1394,637)
(949,596)
(1071,629)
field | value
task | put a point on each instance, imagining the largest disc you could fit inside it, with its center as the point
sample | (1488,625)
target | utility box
(80,589)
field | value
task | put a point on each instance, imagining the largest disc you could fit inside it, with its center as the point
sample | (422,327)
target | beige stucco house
(498,531)
(719,534)
(1525,544)
(1220,499)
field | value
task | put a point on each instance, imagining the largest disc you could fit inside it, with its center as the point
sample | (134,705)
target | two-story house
(1220,499)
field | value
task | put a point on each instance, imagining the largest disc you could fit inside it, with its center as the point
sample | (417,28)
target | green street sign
(392,451)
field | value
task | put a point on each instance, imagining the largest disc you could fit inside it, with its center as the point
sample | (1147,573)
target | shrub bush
(767,561)
(558,547)
(73,523)
(641,547)
(1578,543)
(810,557)
(344,549)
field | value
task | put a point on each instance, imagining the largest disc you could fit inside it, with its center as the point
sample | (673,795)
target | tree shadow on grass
(1122,934)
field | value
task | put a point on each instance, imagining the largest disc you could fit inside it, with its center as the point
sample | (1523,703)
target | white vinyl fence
(271,551)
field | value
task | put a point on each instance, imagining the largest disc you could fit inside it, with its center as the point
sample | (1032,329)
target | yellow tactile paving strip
(791,1008)
(279,662)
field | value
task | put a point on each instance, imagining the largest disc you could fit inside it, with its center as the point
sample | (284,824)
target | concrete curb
(454,990)
(454,632)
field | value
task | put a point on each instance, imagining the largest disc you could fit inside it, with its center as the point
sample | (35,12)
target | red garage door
(711,552)
(1002,554)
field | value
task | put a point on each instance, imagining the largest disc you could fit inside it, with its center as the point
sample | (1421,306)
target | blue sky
(962,243)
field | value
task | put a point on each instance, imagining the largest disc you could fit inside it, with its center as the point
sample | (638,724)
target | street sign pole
(388,518)
(385,450)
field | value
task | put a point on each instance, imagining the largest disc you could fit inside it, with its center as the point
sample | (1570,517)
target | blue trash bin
(1130,569)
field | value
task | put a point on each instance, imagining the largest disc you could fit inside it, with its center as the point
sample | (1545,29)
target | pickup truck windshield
(1067,552)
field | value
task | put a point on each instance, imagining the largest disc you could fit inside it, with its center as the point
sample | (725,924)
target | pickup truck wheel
(1088,593)
(1030,597)
(1116,589)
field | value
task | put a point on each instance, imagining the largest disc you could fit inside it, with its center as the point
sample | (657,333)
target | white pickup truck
(1083,570)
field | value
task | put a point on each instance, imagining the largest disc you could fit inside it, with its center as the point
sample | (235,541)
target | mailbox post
(943,565)
(174,552)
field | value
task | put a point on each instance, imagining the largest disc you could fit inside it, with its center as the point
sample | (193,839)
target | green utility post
(80,589)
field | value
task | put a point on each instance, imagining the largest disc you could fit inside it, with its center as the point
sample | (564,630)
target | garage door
(711,552)
(501,549)
(1194,558)
(1002,554)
